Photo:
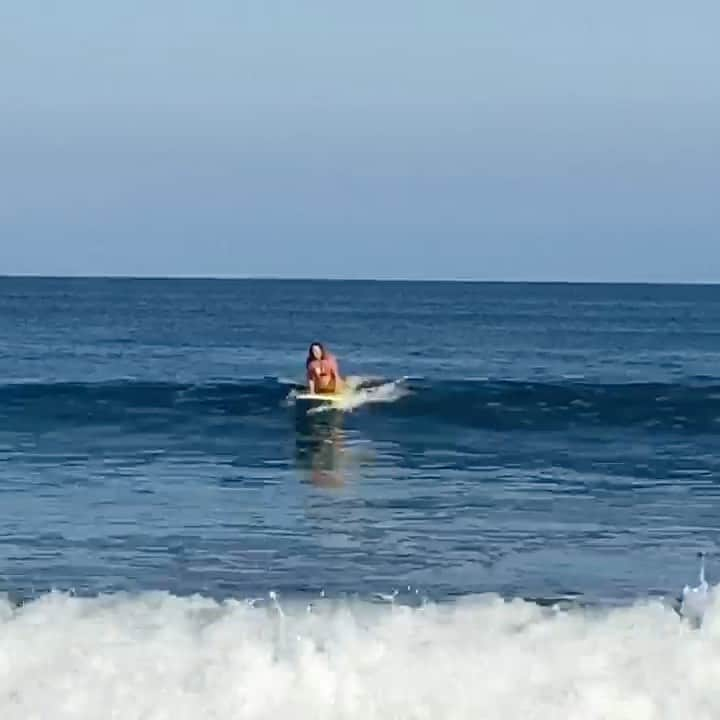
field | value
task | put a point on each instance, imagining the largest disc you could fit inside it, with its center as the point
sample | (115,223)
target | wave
(155,655)
(492,405)
(509,405)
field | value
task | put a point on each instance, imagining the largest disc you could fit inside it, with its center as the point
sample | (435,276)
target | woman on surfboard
(323,374)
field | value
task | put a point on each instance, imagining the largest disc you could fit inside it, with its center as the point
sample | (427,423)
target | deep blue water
(553,441)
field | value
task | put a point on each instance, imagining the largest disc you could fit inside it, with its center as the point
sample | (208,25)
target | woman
(323,374)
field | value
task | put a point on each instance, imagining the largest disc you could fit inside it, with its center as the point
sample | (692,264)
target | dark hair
(310,357)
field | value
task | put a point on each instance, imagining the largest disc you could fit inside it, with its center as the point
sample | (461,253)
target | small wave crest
(483,404)
(512,405)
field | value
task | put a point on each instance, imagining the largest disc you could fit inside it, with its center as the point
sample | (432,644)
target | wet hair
(310,357)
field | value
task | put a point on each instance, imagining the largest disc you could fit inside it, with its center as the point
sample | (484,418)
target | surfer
(323,374)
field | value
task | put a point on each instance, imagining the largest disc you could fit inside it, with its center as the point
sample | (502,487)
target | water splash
(364,391)
(695,601)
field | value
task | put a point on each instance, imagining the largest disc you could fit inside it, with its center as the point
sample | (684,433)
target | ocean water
(498,528)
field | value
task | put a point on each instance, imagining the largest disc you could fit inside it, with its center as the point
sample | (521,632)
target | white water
(695,601)
(356,395)
(158,657)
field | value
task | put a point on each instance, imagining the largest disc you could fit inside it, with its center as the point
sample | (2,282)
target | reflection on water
(320,447)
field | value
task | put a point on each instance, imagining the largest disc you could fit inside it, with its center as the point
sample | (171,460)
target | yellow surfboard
(333,398)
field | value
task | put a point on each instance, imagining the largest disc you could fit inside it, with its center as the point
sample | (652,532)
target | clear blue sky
(483,140)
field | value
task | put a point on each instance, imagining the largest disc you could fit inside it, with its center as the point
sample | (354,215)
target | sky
(475,140)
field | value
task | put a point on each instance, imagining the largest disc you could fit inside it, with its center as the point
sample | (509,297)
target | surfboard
(332,398)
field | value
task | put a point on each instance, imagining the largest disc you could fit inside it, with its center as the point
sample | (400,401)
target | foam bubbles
(155,656)
(694,601)
(360,394)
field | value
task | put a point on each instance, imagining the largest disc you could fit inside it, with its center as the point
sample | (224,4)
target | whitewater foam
(157,656)
(362,390)
(694,601)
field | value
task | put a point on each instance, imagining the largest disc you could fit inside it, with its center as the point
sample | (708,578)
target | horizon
(434,281)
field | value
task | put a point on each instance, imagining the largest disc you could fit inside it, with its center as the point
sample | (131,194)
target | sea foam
(155,656)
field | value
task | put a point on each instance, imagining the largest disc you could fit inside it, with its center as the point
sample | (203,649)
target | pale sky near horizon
(468,140)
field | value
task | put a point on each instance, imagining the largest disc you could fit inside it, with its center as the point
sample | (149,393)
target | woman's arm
(339,382)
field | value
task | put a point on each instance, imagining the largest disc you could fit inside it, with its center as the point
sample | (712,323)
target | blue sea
(500,525)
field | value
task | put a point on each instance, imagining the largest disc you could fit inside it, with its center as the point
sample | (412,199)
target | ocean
(500,528)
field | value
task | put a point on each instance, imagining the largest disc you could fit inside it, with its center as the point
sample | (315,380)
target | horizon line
(273,278)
